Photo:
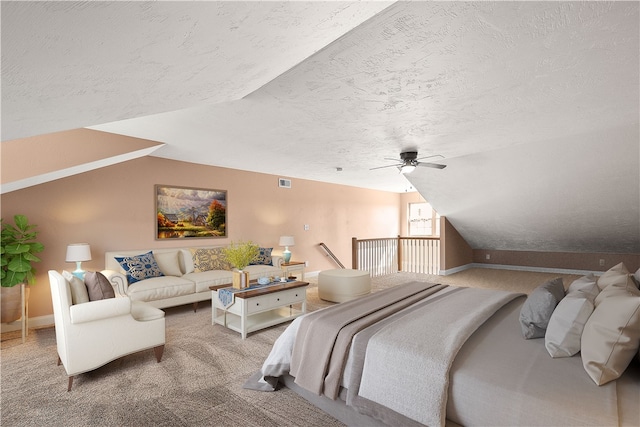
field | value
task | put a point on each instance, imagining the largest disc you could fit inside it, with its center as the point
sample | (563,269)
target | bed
(427,354)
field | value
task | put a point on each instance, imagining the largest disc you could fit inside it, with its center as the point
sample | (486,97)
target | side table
(293,266)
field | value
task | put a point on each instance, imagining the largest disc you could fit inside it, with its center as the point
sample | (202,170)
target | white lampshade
(406,169)
(287,241)
(78,252)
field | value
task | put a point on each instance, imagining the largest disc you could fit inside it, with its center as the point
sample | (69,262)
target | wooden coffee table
(260,308)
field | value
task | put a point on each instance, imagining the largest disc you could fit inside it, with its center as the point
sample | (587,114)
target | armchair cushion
(101,309)
(141,311)
(98,286)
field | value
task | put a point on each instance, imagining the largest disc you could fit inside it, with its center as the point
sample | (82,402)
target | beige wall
(454,250)
(112,208)
(563,260)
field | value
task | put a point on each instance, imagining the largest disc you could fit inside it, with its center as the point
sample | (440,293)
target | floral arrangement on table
(241,254)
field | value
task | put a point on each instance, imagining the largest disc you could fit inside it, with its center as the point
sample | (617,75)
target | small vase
(240,279)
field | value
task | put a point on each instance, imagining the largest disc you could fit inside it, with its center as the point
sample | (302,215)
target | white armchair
(92,334)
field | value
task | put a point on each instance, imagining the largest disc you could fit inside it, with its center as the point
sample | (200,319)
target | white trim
(517,268)
(34,323)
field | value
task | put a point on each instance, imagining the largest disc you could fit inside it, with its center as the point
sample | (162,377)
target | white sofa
(181,283)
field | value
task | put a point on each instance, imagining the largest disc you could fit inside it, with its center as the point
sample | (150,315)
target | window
(423,220)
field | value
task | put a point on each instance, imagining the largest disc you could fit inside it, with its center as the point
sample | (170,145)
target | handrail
(330,254)
(392,254)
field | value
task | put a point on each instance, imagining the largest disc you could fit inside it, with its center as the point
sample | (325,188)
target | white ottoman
(342,285)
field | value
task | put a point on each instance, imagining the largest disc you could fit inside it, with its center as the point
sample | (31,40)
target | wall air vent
(284,183)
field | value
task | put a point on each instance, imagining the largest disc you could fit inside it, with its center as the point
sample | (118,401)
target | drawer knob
(277,299)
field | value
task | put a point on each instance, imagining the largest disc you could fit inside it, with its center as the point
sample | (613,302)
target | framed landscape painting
(184,212)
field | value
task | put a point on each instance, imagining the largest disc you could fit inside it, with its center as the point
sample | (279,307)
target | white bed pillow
(616,274)
(564,332)
(620,287)
(611,337)
(537,309)
(587,284)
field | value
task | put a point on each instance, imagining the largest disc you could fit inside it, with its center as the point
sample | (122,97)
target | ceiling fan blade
(393,160)
(432,165)
(388,166)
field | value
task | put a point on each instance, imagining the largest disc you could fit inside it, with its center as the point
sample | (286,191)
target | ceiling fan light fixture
(407,169)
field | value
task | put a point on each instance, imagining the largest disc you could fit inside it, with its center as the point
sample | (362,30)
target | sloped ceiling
(534,105)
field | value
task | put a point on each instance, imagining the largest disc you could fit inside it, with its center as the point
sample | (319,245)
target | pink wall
(112,208)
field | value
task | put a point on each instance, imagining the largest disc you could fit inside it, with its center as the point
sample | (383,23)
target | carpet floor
(200,378)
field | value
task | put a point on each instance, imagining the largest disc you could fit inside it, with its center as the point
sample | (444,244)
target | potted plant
(16,255)
(241,255)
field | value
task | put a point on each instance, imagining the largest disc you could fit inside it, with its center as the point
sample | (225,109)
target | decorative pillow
(616,274)
(79,292)
(611,337)
(264,257)
(139,267)
(209,259)
(586,284)
(98,286)
(168,263)
(538,308)
(562,338)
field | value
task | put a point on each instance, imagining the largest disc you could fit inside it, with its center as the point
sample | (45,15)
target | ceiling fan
(409,161)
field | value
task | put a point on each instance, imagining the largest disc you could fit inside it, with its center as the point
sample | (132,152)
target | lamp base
(79,272)
(286,254)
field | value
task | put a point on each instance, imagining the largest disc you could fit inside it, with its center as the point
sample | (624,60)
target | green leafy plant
(241,254)
(18,252)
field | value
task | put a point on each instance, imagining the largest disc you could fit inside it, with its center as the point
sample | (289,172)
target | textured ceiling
(299,89)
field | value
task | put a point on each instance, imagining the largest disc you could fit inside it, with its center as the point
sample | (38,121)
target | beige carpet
(198,382)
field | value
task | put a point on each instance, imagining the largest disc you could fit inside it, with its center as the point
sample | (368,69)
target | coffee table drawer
(277,299)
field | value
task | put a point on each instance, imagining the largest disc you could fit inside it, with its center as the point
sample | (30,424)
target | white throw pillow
(564,332)
(79,292)
(168,263)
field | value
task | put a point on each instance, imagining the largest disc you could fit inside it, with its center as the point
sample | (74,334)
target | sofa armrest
(100,309)
(276,260)
(118,281)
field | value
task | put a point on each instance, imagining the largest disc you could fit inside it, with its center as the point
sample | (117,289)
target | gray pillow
(538,308)
(98,286)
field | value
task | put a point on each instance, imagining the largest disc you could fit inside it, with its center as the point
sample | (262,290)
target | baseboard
(518,268)
(34,323)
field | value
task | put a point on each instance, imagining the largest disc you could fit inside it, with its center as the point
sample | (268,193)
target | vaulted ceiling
(533,105)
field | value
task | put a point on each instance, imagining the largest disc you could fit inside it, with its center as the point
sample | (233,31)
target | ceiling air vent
(284,183)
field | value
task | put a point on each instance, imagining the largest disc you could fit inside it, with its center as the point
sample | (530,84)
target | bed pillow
(538,308)
(616,274)
(264,257)
(620,287)
(139,267)
(98,286)
(562,338)
(587,284)
(78,289)
(168,263)
(611,337)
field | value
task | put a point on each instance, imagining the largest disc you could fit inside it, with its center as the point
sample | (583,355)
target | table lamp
(78,252)
(286,241)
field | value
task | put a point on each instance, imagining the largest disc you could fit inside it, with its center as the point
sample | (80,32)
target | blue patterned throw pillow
(264,257)
(140,267)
